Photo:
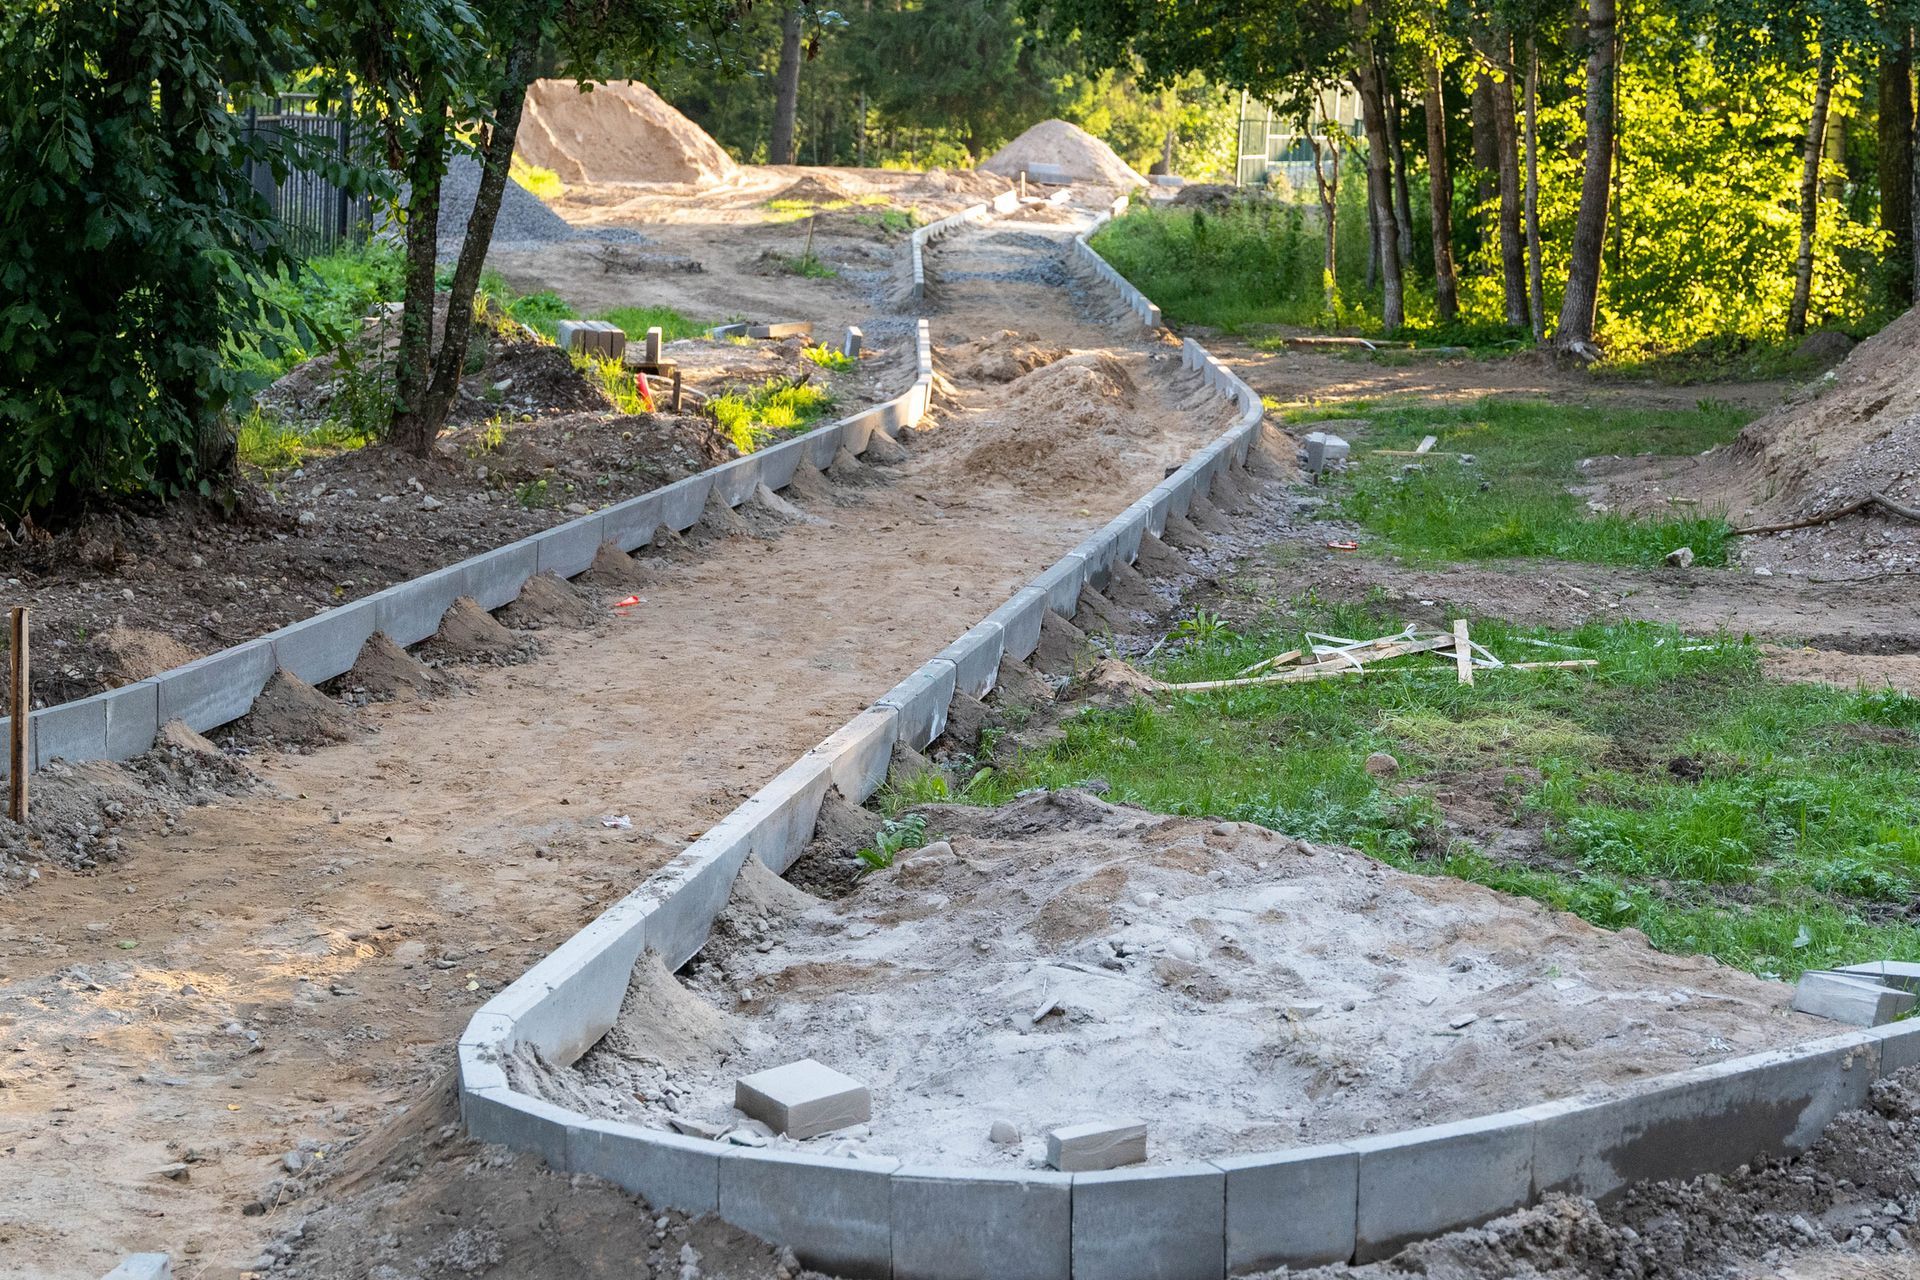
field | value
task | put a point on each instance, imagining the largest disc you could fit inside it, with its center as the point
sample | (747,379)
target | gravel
(523,220)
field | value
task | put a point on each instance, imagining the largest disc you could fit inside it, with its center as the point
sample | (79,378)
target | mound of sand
(620,131)
(1075,418)
(1082,156)
(816,188)
(1002,356)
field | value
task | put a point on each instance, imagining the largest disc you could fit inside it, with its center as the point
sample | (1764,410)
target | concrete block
(656,338)
(780,815)
(67,731)
(1164,1223)
(692,889)
(1324,449)
(966,1224)
(1290,1208)
(1019,620)
(631,524)
(682,502)
(487,1037)
(516,1120)
(823,443)
(1171,497)
(142,1266)
(211,691)
(1424,1182)
(495,578)
(1904,974)
(133,719)
(1712,1118)
(856,432)
(1899,1046)
(571,996)
(851,344)
(803,1099)
(1857,1001)
(411,611)
(783,329)
(922,699)
(779,462)
(723,331)
(736,480)
(856,754)
(667,1169)
(1061,581)
(1097,1144)
(976,659)
(327,644)
(837,1215)
(568,549)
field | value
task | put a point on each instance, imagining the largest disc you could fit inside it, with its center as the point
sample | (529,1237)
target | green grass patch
(809,266)
(1673,789)
(544,183)
(272,446)
(1513,500)
(325,300)
(635,321)
(828,358)
(754,419)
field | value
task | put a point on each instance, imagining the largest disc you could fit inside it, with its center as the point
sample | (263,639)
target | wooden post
(22,708)
(1462,651)
(676,391)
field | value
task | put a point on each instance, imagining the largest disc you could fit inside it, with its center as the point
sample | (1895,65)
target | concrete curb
(219,688)
(1005,202)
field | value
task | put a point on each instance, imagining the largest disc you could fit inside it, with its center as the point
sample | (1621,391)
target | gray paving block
(72,731)
(411,611)
(1424,1182)
(517,1121)
(803,1099)
(631,524)
(571,997)
(976,658)
(922,699)
(683,501)
(781,814)
(1019,620)
(969,1224)
(1161,1223)
(856,753)
(1904,974)
(1172,496)
(1097,1144)
(495,578)
(736,480)
(142,1266)
(692,889)
(1061,581)
(778,462)
(568,549)
(208,692)
(822,444)
(1710,1119)
(837,1215)
(856,432)
(1117,540)
(1858,1001)
(133,719)
(669,1170)
(326,644)
(1291,1208)
(485,1039)
(1899,1046)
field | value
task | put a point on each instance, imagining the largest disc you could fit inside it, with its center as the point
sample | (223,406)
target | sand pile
(620,131)
(1069,428)
(1001,356)
(1062,960)
(1055,142)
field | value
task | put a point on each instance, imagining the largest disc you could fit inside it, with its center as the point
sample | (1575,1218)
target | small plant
(1201,629)
(828,358)
(810,266)
(896,834)
(531,494)
(544,183)
(490,439)
(621,386)
(751,419)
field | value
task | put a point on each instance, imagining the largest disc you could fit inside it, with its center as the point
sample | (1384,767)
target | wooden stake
(22,708)
(1462,651)
(676,391)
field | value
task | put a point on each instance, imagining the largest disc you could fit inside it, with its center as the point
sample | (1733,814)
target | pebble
(293,1162)
(1003,1132)
(1181,949)
(1382,764)
(933,849)
(176,1172)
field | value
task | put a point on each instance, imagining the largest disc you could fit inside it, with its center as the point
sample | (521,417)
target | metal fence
(319,215)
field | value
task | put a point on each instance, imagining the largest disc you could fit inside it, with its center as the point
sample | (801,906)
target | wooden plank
(1427,443)
(1277,660)
(1462,651)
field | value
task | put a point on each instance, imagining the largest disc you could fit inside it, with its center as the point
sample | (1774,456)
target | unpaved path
(288,970)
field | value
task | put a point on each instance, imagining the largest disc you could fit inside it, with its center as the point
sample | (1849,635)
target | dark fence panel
(319,216)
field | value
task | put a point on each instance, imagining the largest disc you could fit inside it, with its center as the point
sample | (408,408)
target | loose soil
(1063,960)
(1069,148)
(616,131)
(303,956)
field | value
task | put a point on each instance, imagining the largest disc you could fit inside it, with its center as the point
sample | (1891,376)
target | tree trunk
(860,134)
(1372,277)
(1373,109)
(413,362)
(1403,200)
(450,365)
(1574,335)
(1446,286)
(786,88)
(1536,303)
(1486,147)
(1513,253)
(1327,182)
(1896,167)
(1810,190)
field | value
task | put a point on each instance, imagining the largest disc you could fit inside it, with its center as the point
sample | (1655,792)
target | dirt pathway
(280,973)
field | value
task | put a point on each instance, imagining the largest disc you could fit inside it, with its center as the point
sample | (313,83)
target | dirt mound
(548,600)
(1083,157)
(1071,415)
(385,672)
(620,131)
(1206,195)
(128,655)
(958,182)
(540,378)
(816,188)
(1002,356)
(291,714)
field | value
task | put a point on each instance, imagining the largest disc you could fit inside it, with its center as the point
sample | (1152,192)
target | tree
(1494,41)
(1446,287)
(1369,82)
(1896,155)
(133,249)
(1810,189)
(786,87)
(1574,334)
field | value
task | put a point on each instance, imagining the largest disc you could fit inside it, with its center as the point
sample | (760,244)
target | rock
(1825,347)
(293,1162)
(932,849)
(1004,1133)
(1382,764)
(695,1128)
(1680,557)
(175,1172)
(431,503)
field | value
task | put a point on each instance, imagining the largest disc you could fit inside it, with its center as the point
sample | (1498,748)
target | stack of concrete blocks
(592,338)
(1864,995)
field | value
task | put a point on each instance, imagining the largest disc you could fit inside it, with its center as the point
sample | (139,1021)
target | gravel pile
(524,219)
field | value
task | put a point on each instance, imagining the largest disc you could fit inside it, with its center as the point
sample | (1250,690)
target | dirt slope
(619,131)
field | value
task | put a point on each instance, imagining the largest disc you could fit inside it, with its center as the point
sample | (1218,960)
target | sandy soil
(1062,960)
(282,972)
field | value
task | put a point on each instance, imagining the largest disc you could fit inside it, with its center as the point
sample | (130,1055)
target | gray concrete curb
(1005,202)
(211,691)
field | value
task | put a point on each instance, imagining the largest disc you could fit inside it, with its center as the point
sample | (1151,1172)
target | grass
(267,443)
(324,301)
(544,183)
(809,266)
(1512,500)
(757,418)
(828,358)
(635,321)
(1775,827)
(784,211)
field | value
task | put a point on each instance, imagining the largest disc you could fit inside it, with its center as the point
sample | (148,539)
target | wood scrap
(1880,500)
(1462,651)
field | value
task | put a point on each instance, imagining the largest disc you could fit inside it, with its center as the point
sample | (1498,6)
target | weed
(896,834)
(828,358)
(621,384)
(544,183)
(635,321)
(531,494)
(808,265)
(752,419)
(271,445)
